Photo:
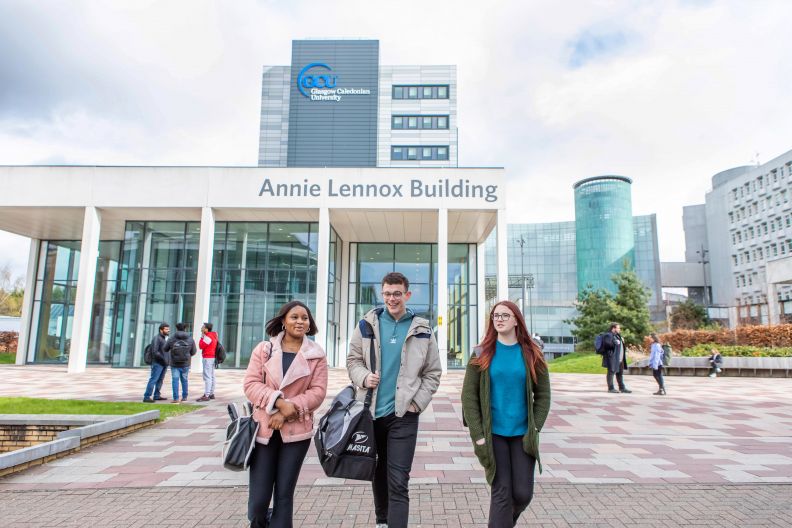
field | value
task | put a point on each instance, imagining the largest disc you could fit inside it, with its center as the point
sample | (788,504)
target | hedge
(737,351)
(759,336)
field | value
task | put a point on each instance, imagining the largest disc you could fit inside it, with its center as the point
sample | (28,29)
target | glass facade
(418,262)
(258,267)
(334,298)
(156,283)
(604,230)
(647,263)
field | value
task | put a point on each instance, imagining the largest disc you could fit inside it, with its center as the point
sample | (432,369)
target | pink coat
(305,385)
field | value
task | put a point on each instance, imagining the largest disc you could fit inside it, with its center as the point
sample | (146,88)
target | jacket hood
(181,335)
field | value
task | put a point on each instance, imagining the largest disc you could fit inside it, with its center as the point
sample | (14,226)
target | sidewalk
(610,459)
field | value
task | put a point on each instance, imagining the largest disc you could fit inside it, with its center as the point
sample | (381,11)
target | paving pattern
(431,505)
(716,431)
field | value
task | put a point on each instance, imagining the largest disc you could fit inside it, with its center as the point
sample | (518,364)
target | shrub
(737,351)
(753,336)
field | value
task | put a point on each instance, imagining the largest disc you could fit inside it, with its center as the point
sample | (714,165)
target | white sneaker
(381,525)
(712,375)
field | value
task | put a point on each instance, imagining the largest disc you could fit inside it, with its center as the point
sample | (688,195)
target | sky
(667,93)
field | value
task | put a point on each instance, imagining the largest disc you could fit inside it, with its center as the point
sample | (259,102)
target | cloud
(667,93)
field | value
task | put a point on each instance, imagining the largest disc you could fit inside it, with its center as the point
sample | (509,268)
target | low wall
(19,436)
(77,432)
(758,367)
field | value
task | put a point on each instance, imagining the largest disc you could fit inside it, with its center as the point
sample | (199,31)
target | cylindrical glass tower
(603,230)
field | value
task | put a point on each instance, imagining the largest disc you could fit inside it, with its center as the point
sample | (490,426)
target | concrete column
(773,313)
(343,325)
(86,279)
(503,265)
(322,269)
(26,327)
(442,286)
(481,292)
(203,286)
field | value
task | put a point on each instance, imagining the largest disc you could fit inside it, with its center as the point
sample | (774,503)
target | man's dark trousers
(396,438)
(619,378)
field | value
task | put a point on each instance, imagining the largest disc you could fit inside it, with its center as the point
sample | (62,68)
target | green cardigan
(477,413)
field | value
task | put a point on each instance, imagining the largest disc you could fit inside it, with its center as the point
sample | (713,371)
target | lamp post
(529,279)
(702,253)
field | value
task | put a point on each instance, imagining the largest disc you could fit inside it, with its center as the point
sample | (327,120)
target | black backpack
(220,353)
(180,353)
(345,438)
(148,355)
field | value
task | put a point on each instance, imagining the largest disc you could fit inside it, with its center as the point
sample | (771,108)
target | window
(428,91)
(420,152)
(442,122)
(426,122)
(412,122)
(398,122)
(423,122)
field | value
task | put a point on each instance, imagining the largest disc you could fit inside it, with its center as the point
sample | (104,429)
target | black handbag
(240,437)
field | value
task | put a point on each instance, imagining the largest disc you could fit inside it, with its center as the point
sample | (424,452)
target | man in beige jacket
(406,376)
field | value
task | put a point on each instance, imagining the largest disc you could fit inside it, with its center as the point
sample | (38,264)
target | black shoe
(148,400)
(159,398)
(211,396)
(614,391)
(625,391)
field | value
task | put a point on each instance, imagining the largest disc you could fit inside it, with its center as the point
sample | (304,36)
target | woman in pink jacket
(286,381)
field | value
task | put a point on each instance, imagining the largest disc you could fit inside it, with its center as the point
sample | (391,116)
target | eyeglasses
(501,317)
(395,295)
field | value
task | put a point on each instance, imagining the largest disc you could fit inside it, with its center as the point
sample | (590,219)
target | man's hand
(481,441)
(276,421)
(286,408)
(413,408)
(372,380)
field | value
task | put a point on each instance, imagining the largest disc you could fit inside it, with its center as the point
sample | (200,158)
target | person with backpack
(716,363)
(286,381)
(181,348)
(159,365)
(407,377)
(208,346)
(614,358)
(505,403)
(656,358)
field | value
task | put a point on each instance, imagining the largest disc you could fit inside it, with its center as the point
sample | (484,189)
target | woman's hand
(481,441)
(276,421)
(286,408)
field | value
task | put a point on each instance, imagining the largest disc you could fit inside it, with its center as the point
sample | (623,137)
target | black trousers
(658,376)
(619,377)
(395,439)
(512,488)
(275,465)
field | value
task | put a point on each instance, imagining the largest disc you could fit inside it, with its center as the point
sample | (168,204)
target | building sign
(414,188)
(317,82)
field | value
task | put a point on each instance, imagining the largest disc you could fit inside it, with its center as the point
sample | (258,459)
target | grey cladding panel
(334,133)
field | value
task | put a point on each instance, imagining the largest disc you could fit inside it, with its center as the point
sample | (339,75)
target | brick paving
(432,505)
(725,442)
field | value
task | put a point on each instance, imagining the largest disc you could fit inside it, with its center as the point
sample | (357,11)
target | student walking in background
(505,402)
(208,346)
(656,364)
(286,381)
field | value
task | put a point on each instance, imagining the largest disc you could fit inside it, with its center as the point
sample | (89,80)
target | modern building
(550,263)
(357,177)
(742,238)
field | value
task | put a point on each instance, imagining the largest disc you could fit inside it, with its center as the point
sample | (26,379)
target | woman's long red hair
(531,351)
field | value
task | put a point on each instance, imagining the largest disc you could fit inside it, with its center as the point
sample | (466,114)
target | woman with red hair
(505,402)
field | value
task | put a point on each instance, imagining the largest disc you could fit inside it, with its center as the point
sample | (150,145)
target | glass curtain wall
(418,262)
(258,267)
(156,283)
(100,341)
(53,303)
(334,297)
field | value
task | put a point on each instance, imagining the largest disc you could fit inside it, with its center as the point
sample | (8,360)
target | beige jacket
(419,373)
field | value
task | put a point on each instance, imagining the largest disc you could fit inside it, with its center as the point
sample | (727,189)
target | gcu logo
(315,81)
(359,438)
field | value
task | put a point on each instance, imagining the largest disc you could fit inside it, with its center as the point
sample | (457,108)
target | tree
(688,316)
(11,292)
(632,307)
(596,309)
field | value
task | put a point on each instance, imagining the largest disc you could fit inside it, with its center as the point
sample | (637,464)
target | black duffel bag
(240,437)
(345,438)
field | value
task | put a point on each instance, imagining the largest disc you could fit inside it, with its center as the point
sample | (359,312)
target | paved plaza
(714,452)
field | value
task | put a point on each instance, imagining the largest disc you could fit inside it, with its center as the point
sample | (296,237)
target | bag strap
(373,360)
(266,358)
